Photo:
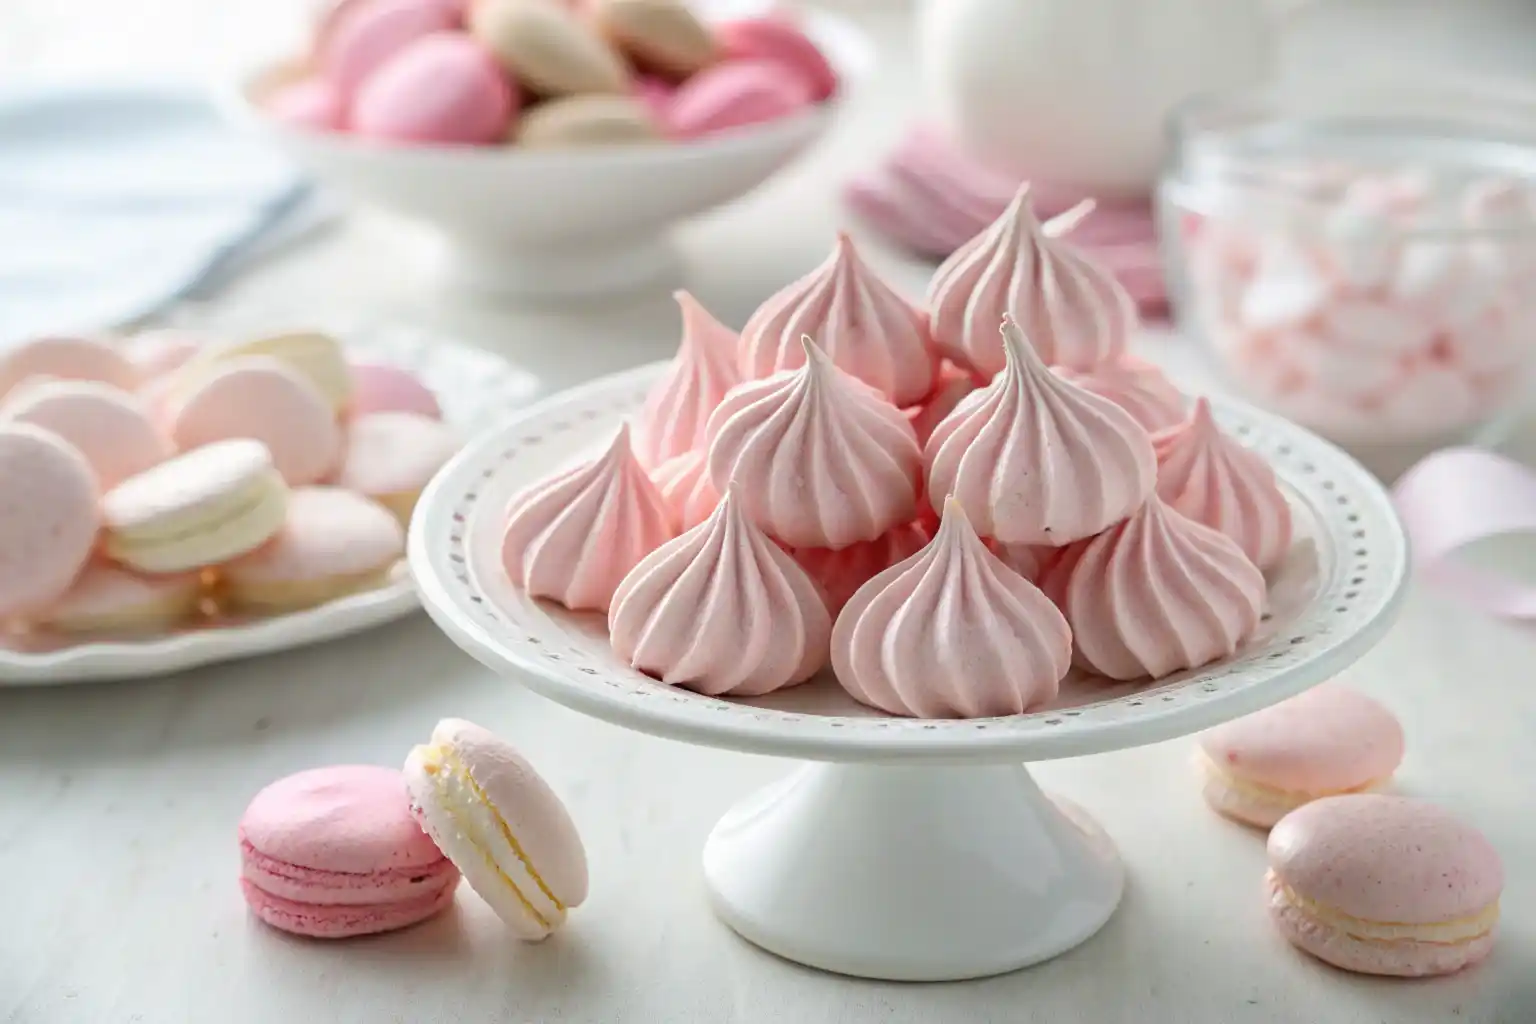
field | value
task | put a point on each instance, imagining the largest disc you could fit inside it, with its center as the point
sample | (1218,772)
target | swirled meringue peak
(866,328)
(842,572)
(678,407)
(1156,594)
(820,459)
(1034,459)
(951,633)
(1073,310)
(684,483)
(1214,480)
(1136,386)
(721,610)
(573,537)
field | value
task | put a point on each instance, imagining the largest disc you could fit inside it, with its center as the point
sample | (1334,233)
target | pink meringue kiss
(1215,481)
(1034,459)
(1136,386)
(951,632)
(678,407)
(1156,594)
(684,483)
(857,319)
(1072,310)
(721,610)
(821,461)
(842,572)
(953,385)
(574,537)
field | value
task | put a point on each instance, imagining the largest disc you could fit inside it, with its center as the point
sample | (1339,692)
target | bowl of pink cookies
(178,497)
(1362,262)
(550,145)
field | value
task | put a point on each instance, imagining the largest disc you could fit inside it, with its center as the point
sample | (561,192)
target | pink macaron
(107,425)
(391,456)
(1384,885)
(334,852)
(48,517)
(446,89)
(309,103)
(778,39)
(379,387)
(734,95)
(166,350)
(261,398)
(67,358)
(361,37)
(1326,741)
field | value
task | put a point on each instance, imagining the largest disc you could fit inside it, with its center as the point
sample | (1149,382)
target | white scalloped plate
(1330,600)
(473,388)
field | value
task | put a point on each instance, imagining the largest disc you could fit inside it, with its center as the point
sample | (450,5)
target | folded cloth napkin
(931,198)
(116,201)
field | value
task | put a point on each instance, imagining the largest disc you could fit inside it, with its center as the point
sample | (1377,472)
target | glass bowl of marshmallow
(1361,259)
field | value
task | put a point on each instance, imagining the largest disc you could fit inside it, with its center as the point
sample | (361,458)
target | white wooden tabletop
(118,802)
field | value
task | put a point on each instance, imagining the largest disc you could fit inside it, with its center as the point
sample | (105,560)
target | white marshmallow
(1376,327)
(1287,288)
(1362,245)
(1349,373)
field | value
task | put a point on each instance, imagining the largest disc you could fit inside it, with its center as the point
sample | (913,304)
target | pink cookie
(108,426)
(390,457)
(735,95)
(334,852)
(445,88)
(361,37)
(780,41)
(309,103)
(67,358)
(1327,741)
(261,398)
(48,517)
(1384,885)
(377,387)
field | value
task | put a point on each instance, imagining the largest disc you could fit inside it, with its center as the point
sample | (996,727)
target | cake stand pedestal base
(912,873)
(546,275)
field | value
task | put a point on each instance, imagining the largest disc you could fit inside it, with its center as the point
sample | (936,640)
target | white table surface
(119,802)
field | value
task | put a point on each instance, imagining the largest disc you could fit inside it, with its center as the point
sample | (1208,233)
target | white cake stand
(905,849)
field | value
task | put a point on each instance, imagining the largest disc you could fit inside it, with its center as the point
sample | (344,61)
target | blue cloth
(115,201)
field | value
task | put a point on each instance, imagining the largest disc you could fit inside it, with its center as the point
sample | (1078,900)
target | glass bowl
(1360,259)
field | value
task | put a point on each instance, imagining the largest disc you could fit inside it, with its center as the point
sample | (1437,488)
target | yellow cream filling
(439,761)
(1273,795)
(1441,933)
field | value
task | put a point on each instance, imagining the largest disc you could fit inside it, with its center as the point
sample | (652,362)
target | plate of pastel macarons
(180,496)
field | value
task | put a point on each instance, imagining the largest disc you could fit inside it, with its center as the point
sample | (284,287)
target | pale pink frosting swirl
(573,537)
(684,483)
(840,573)
(858,320)
(1156,594)
(721,610)
(1035,459)
(1216,481)
(678,407)
(1073,310)
(820,459)
(1136,386)
(951,633)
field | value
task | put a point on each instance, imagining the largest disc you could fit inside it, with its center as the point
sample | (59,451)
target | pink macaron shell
(163,351)
(105,591)
(1326,740)
(1403,958)
(378,387)
(394,453)
(329,533)
(261,398)
(309,103)
(1386,859)
(443,89)
(778,39)
(49,517)
(362,37)
(532,810)
(67,358)
(110,427)
(343,920)
(734,95)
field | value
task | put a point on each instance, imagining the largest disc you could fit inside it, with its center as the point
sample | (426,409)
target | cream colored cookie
(593,120)
(548,48)
(662,35)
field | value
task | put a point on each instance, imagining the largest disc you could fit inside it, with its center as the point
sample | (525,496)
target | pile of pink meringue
(949,508)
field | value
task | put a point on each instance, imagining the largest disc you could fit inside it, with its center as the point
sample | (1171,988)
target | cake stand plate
(906,849)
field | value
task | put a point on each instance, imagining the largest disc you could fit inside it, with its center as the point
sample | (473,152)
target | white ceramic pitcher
(1078,91)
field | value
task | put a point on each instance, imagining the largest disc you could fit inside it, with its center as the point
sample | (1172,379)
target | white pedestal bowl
(905,849)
